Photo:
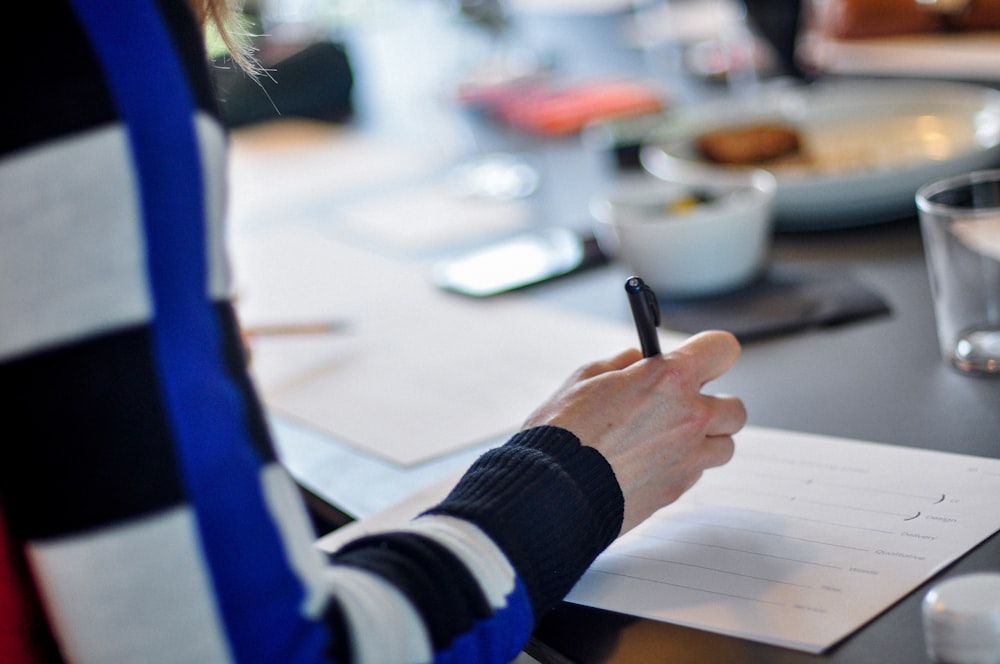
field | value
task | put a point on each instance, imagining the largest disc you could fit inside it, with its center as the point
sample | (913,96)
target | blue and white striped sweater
(144,496)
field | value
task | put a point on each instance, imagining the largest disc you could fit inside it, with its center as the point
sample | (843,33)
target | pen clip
(652,304)
(646,296)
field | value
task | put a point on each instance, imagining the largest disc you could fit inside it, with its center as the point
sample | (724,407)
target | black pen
(646,312)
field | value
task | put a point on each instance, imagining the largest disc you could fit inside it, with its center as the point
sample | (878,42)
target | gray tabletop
(878,379)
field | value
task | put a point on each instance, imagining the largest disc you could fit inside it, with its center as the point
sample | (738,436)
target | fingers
(710,354)
(620,361)
(729,415)
(718,451)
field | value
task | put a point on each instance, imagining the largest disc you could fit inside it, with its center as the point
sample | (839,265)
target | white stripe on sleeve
(137,592)
(72,260)
(298,538)
(475,549)
(384,625)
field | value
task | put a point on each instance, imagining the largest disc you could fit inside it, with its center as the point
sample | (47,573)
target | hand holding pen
(646,313)
(652,421)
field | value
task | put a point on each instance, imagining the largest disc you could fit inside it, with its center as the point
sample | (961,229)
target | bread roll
(749,144)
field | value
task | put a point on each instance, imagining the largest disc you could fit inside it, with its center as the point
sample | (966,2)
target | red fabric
(18,610)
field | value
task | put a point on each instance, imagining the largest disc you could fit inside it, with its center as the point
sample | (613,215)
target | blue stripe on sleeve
(495,639)
(259,596)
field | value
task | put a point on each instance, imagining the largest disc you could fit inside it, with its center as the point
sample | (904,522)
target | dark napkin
(781,302)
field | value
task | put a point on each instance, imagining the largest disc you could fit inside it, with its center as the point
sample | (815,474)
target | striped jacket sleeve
(143,514)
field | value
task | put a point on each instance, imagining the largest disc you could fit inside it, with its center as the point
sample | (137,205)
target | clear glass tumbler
(960,223)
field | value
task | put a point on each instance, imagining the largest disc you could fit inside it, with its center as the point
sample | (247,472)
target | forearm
(556,506)
(506,545)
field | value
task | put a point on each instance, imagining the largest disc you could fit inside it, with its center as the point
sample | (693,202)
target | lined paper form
(800,540)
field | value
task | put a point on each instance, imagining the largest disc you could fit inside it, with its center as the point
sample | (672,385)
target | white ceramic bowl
(703,249)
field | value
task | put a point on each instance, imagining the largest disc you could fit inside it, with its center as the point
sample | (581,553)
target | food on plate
(979,15)
(749,144)
(864,19)
(860,19)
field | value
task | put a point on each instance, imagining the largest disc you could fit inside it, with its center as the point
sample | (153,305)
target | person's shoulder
(62,89)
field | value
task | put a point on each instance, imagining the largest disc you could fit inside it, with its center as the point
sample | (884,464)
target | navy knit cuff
(549,502)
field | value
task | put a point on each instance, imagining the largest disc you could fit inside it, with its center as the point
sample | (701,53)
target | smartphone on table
(518,261)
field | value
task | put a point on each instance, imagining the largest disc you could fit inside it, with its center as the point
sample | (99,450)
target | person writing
(144,516)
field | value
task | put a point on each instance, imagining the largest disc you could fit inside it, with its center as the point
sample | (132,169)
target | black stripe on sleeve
(445,593)
(340,637)
(89,443)
(235,358)
(48,94)
(55,85)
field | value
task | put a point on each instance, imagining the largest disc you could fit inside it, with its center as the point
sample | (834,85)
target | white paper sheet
(800,540)
(392,517)
(279,168)
(416,372)
(433,217)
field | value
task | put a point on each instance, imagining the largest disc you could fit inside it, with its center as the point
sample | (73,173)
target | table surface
(881,379)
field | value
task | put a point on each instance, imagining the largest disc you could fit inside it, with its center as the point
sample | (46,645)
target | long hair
(223,15)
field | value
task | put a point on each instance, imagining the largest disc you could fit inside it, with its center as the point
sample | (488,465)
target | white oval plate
(871,145)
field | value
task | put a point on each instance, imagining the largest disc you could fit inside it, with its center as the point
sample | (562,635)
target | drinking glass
(960,223)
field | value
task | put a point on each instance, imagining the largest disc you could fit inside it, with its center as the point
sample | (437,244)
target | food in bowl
(683,202)
(689,240)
